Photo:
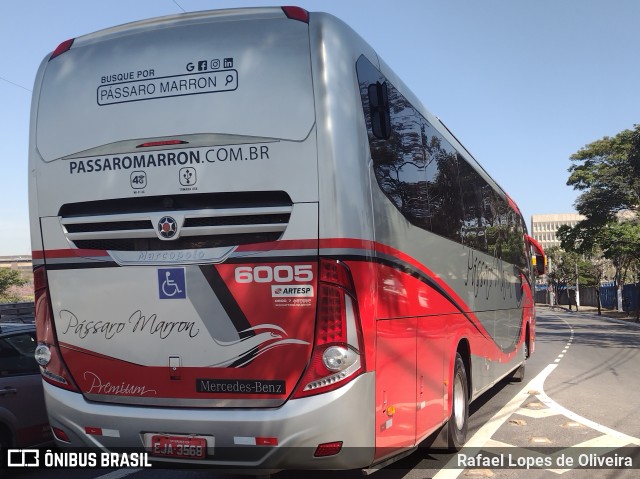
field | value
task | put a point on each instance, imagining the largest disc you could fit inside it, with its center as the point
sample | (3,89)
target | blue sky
(523,84)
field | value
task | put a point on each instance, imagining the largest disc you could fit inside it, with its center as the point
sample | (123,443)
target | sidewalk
(591,311)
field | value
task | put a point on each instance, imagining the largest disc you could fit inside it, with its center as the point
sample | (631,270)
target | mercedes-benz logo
(167,227)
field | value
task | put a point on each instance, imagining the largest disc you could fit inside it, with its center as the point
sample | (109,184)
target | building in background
(544,227)
(20,263)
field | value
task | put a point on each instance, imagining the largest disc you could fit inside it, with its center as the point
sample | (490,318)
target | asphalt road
(580,401)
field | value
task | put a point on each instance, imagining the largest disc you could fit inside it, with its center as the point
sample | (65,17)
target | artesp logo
(292,291)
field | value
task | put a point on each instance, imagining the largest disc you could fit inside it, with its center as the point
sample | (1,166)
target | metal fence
(588,297)
(17,312)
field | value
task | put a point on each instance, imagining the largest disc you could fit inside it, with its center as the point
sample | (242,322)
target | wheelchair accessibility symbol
(171,283)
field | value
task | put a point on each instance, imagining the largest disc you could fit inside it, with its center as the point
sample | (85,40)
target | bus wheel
(518,374)
(459,419)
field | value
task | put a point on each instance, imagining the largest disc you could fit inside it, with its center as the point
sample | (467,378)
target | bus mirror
(540,264)
(379,110)
(538,260)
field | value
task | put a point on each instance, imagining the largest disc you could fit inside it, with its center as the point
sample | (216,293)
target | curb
(590,315)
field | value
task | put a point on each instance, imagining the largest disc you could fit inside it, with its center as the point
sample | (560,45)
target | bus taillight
(296,13)
(337,356)
(151,144)
(63,47)
(47,352)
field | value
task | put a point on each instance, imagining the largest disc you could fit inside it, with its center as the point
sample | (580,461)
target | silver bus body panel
(488,291)
(170,81)
(299,426)
(289,165)
(344,203)
(284,122)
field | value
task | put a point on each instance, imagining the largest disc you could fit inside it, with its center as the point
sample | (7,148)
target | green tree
(592,273)
(9,278)
(617,241)
(563,266)
(607,172)
(562,271)
(620,243)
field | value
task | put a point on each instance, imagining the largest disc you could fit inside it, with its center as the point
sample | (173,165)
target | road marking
(484,434)
(118,474)
(482,438)
(537,413)
(587,422)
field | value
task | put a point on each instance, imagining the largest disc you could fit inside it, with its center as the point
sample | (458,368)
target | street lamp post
(638,298)
(577,288)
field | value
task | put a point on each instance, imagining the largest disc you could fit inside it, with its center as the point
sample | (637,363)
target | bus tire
(518,374)
(459,420)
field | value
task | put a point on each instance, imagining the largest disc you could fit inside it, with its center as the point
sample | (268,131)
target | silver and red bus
(254,247)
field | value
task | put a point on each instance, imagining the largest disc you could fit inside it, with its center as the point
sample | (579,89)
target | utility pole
(577,287)
(638,299)
(550,285)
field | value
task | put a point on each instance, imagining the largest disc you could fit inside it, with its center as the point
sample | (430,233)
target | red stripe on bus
(513,204)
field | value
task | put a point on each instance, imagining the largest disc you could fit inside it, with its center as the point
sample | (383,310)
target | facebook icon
(172,283)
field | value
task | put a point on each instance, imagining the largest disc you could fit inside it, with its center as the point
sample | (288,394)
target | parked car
(23,417)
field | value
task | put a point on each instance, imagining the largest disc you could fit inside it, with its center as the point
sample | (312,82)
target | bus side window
(398,144)
(473,230)
(445,194)
(496,217)
(379,110)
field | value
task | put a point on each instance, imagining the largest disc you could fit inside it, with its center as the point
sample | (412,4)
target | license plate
(184,447)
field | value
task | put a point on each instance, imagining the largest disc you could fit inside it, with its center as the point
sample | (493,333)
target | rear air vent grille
(236,220)
(108,226)
(142,244)
(164,203)
(200,221)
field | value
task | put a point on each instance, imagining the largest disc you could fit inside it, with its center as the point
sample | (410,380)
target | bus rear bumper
(265,439)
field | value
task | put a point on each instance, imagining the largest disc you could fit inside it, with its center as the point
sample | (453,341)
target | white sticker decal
(292,291)
(165,87)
